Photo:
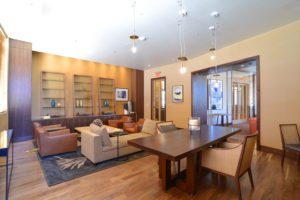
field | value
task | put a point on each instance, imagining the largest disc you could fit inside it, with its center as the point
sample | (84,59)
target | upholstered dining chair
(118,123)
(133,127)
(231,159)
(163,127)
(290,140)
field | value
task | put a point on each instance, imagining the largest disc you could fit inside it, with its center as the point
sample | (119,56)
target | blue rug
(64,167)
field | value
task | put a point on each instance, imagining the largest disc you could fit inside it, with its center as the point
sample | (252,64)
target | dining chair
(231,159)
(290,140)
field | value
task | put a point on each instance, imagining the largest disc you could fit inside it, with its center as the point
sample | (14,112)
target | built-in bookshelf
(52,94)
(106,96)
(83,95)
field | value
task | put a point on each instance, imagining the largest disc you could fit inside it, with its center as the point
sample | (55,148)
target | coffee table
(179,144)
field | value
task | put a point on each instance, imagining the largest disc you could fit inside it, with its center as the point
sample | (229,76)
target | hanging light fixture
(182,58)
(134,36)
(213,48)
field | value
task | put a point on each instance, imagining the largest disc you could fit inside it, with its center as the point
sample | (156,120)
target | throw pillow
(103,134)
(167,128)
(149,127)
(98,122)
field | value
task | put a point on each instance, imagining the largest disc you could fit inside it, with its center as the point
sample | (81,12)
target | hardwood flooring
(139,180)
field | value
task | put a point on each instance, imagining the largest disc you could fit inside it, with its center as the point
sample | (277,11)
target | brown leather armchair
(56,142)
(118,123)
(133,127)
(48,128)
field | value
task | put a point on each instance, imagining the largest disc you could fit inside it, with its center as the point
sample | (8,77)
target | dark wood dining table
(178,144)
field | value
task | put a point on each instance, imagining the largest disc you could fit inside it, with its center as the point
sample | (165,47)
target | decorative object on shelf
(194,123)
(121,94)
(126,109)
(134,36)
(182,58)
(58,105)
(53,103)
(80,103)
(177,93)
(77,103)
(105,103)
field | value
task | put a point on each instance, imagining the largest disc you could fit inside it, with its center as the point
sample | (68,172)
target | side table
(117,134)
(6,152)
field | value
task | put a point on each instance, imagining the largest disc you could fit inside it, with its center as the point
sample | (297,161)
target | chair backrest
(141,121)
(163,127)
(126,119)
(35,126)
(247,153)
(289,134)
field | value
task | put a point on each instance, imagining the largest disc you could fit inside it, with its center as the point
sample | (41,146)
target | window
(3,70)
(215,94)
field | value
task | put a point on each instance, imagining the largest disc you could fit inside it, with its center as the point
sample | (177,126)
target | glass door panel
(158,104)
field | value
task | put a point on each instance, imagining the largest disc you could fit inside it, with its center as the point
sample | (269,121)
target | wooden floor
(139,180)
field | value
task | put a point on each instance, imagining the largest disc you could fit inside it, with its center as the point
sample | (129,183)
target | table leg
(165,173)
(189,185)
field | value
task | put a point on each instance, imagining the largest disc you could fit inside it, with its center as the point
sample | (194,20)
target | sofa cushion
(149,127)
(103,133)
(167,128)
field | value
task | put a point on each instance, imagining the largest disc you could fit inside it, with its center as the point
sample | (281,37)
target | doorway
(230,99)
(240,102)
(158,99)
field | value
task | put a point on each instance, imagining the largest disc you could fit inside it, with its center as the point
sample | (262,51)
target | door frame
(152,79)
(224,66)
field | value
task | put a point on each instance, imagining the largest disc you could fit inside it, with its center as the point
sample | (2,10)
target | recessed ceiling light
(242,65)
(143,38)
(182,12)
(149,65)
(215,14)
(211,27)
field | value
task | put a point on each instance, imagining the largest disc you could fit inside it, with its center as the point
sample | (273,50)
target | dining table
(182,143)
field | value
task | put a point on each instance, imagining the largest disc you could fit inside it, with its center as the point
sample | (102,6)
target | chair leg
(238,188)
(250,177)
(282,159)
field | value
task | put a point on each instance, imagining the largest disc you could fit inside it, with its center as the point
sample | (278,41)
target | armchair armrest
(91,145)
(52,126)
(223,160)
(113,121)
(60,132)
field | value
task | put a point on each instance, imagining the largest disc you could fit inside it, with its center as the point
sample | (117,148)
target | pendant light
(134,36)
(213,48)
(182,58)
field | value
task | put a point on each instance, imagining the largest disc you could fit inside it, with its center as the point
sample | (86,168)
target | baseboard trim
(277,151)
(21,139)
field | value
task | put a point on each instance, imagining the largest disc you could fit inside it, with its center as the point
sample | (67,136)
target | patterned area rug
(65,167)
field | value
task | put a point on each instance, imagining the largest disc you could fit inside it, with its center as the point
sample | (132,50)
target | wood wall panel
(137,92)
(199,97)
(19,89)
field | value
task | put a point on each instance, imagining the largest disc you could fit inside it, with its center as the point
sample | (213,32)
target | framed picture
(121,94)
(177,93)
(215,94)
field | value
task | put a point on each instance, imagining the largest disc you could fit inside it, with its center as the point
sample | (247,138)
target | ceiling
(98,30)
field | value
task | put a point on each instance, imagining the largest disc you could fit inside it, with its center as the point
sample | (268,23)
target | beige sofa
(92,145)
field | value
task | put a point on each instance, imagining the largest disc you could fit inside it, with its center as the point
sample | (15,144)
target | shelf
(106,91)
(53,88)
(83,106)
(82,82)
(53,97)
(106,84)
(53,80)
(107,106)
(83,90)
(107,99)
(52,107)
(84,98)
